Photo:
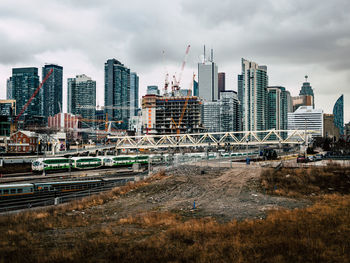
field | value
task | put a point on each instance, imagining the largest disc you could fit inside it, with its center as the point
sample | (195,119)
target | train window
(0,192)
(46,188)
(20,190)
(13,191)
(6,191)
(51,188)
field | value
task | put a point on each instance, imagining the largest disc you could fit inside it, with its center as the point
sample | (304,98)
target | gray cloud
(298,36)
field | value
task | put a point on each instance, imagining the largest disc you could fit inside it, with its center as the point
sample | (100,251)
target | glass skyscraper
(134,94)
(82,97)
(24,82)
(338,112)
(52,90)
(117,92)
(252,93)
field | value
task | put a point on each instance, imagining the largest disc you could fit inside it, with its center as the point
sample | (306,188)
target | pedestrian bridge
(242,138)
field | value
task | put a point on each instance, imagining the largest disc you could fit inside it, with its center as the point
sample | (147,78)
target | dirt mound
(216,192)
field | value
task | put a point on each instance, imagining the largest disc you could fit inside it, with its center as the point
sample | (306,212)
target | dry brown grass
(302,182)
(319,233)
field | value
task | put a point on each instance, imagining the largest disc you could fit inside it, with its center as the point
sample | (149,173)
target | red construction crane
(34,94)
(176,83)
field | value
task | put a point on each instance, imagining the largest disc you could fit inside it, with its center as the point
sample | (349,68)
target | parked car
(311,158)
(301,159)
(319,157)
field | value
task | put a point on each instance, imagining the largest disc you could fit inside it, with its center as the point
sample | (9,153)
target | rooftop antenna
(204,55)
(212,55)
(306,77)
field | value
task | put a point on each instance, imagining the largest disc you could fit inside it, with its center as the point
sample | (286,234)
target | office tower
(9,89)
(222,115)
(230,119)
(152,90)
(134,94)
(52,90)
(306,89)
(221,83)
(208,79)
(7,115)
(81,99)
(306,118)
(117,92)
(211,115)
(277,108)
(289,101)
(24,82)
(252,84)
(338,112)
(195,89)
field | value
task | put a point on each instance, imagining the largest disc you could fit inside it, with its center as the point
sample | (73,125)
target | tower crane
(176,82)
(177,125)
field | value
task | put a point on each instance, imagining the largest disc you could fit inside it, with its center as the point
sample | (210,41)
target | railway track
(46,199)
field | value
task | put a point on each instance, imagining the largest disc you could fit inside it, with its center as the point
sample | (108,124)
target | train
(81,163)
(25,189)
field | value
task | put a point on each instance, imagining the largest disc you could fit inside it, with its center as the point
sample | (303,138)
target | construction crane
(176,82)
(166,81)
(177,125)
(34,94)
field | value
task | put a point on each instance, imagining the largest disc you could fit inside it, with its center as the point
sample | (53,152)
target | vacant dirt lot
(222,193)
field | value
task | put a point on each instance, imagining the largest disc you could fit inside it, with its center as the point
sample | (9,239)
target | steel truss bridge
(242,138)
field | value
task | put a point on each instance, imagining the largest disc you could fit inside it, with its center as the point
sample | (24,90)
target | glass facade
(134,94)
(252,94)
(52,90)
(24,82)
(82,97)
(117,92)
(338,112)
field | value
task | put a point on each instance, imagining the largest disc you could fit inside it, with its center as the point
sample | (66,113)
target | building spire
(306,77)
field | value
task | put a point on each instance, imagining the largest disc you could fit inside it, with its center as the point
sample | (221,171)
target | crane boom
(34,94)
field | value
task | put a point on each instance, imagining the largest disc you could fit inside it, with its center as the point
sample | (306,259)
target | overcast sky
(293,38)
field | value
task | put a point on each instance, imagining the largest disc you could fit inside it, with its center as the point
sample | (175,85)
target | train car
(67,186)
(126,160)
(81,163)
(7,190)
(50,164)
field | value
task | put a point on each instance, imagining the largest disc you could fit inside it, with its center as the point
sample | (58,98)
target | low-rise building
(329,129)
(23,142)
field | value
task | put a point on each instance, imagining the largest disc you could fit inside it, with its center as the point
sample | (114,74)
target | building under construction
(170,115)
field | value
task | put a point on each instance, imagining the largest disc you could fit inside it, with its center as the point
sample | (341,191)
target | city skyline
(295,40)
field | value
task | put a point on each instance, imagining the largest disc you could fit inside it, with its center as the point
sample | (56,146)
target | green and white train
(80,163)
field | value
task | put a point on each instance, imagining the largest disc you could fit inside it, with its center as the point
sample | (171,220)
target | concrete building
(24,82)
(134,94)
(161,115)
(306,118)
(347,131)
(277,108)
(152,90)
(52,90)
(338,112)
(330,130)
(252,94)
(289,101)
(117,92)
(82,97)
(208,81)
(221,83)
